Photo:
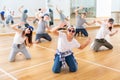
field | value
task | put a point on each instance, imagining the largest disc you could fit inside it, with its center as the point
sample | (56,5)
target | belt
(62,56)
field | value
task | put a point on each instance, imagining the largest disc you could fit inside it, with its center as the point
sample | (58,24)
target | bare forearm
(15,26)
(112,34)
(55,30)
(85,44)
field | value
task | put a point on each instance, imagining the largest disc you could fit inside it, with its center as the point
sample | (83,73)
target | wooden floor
(103,65)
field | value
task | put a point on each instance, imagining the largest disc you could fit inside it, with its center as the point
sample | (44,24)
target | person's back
(24,17)
(41,27)
(79,22)
(41,30)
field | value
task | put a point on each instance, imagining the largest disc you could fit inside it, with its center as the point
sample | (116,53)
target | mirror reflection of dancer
(51,22)
(104,31)
(9,17)
(38,14)
(22,39)
(63,18)
(64,54)
(80,20)
(2,17)
(24,16)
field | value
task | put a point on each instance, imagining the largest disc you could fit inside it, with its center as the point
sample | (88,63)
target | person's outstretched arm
(15,27)
(55,29)
(93,22)
(113,33)
(58,10)
(82,46)
(76,10)
(20,9)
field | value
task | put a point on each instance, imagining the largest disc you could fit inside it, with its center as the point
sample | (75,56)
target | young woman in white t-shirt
(64,54)
(104,31)
(22,39)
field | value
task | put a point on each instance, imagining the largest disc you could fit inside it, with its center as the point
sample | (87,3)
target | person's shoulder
(61,33)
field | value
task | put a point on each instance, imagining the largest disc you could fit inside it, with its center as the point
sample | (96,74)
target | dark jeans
(43,35)
(83,31)
(70,60)
(51,23)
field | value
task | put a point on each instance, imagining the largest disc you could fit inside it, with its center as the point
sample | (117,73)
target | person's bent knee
(111,47)
(86,35)
(96,50)
(73,70)
(55,70)
(50,39)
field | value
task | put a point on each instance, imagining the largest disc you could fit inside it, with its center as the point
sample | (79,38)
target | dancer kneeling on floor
(104,31)
(64,54)
(23,37)
(41,30)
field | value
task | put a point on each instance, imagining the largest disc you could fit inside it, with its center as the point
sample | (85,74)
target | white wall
(103,8)
(115,5)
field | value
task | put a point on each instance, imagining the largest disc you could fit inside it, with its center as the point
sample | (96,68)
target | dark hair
(28,35)
(110,28)
(111,20)
(25,11)
(2,17)
(39,9)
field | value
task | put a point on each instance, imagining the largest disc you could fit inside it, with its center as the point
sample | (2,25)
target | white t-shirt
(103,32)
(64,44)
(18,39)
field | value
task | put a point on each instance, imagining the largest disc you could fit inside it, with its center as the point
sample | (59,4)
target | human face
(27,31)
(46,18)
(83,15)
(110,24)
(71,31)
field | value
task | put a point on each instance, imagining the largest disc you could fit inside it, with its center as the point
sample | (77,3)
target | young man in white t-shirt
(104,31)
(64,54)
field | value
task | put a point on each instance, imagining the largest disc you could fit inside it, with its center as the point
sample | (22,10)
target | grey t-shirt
(79,22)
(41,27)
(24,17)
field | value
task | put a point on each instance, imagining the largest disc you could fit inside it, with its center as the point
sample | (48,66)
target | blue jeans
(70,60)
(83,31)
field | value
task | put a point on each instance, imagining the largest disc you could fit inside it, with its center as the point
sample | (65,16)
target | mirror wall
(67,6)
